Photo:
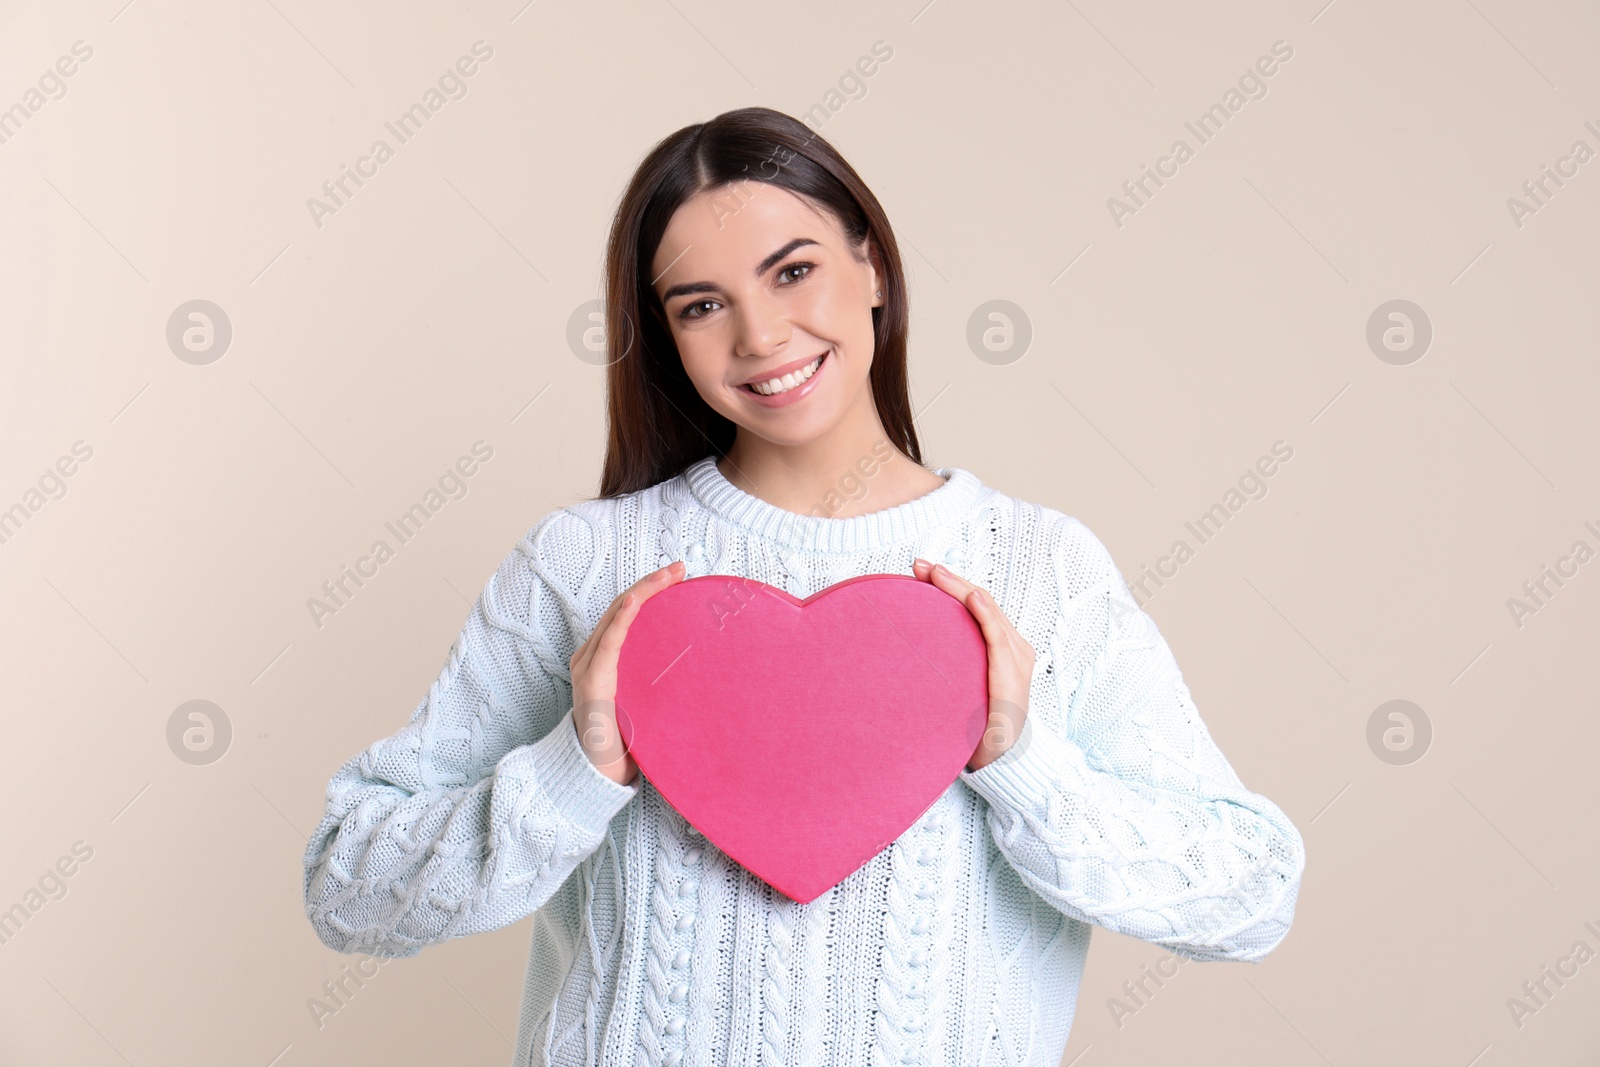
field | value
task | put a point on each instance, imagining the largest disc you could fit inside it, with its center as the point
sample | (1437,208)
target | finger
(990,620)
(645,586)
(673,569)
(998,632)
(640,592)
(652,584)
(605,618)
(951,582)
(997,629)
(986,603)
(993,637)
(617,631)
(583,658)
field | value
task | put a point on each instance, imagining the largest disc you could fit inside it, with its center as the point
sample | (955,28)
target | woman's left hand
(1010,662)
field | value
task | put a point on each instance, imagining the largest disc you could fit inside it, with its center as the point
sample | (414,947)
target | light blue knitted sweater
(961,943)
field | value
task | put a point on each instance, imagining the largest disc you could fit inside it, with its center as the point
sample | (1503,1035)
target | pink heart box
(802,737)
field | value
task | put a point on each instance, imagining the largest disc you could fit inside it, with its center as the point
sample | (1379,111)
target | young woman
(760,426)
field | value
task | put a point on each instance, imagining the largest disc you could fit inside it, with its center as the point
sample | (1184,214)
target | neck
(852,470)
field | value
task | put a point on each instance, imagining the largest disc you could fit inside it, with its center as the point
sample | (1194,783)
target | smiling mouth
(792,380)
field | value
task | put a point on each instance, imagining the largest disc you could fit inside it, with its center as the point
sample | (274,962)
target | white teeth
(788,381)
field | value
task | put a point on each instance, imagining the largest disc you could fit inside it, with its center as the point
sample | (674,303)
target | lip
(781,369)
(798,393)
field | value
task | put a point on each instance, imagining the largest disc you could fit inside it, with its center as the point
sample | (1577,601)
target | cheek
(702,361)
(839,309)
(694,356)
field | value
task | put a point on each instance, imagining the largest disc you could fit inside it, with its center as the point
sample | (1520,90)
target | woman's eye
(789,275)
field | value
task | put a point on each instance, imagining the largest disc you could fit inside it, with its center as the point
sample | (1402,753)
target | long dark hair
(657,423)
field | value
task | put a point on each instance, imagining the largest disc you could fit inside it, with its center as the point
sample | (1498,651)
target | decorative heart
(802,737)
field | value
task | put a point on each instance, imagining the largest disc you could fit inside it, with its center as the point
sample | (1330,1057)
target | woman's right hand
(594,677)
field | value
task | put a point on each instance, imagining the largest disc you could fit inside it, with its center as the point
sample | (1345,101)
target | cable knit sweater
(961,943)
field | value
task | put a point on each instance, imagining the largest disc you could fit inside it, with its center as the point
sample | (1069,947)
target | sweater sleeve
(472,815)
(1122,812)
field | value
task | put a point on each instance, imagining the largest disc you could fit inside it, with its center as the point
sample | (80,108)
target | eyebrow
(690,288)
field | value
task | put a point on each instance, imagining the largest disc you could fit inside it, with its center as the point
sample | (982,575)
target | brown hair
(657,424)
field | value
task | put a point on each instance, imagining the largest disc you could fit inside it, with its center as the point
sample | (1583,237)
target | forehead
(721,232)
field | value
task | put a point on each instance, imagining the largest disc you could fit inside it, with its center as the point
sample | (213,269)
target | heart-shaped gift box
(802,737)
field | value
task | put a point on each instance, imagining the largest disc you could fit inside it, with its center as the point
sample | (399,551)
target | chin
(788,433)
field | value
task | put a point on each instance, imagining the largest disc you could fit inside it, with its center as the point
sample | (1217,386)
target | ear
(875,269)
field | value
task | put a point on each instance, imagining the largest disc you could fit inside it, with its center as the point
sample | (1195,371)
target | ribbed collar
(961,491)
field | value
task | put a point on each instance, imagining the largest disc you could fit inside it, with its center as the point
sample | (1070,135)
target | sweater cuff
(1029,771)
(576,788)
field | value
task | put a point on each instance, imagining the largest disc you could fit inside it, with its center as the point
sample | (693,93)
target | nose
(763,326)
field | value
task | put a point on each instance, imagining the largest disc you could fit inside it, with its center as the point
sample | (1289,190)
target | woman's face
(758,284)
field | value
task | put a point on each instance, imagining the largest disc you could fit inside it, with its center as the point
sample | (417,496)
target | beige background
(1167,355)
